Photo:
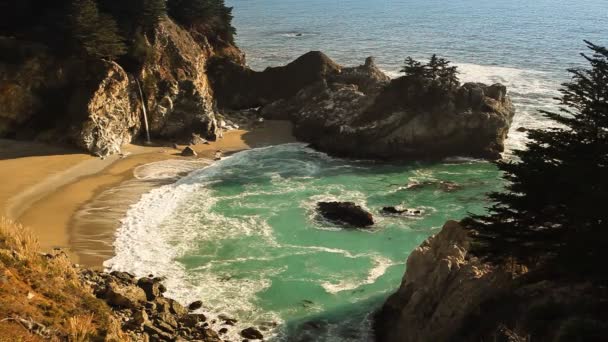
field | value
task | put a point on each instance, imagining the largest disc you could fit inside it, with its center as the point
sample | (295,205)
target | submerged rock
(345,213)
(195,305)
(399,211)
(252,333)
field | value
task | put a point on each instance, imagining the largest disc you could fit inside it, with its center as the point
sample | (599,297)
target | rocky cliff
(360,112)
(97,105)
(447,294)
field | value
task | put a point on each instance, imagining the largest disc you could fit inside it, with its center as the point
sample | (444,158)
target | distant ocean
(242,235)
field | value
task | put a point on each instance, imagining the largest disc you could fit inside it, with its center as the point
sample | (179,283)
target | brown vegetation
(41,297)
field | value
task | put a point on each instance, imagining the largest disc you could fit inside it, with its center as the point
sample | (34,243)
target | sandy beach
(45,187)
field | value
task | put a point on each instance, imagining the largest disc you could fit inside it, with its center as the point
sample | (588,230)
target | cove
(243,235)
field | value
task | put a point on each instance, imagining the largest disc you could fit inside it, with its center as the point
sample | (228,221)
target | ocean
(243,235)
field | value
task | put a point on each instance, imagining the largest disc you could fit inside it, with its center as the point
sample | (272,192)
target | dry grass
(18,238)
(45,289)
(80,328)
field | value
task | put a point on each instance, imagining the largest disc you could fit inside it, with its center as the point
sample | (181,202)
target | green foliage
(437,70)
(96,32)
(553,213)
(204,15)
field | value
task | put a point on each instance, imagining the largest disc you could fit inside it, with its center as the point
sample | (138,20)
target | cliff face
(97,105)
(441,287)
(449,295)
(178,95)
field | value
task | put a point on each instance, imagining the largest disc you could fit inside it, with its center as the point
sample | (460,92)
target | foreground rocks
(345,213)
(145,313)
(360,112)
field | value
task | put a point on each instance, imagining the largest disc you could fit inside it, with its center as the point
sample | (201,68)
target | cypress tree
(96,32)
(553,213)
(413,68)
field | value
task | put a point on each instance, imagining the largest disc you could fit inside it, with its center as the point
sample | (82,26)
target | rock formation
(345,213)
(238,87)
(97,105)
(447,294)
(361,112)
(441,287)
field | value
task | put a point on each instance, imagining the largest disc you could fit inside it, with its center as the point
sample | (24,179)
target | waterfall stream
(143,106)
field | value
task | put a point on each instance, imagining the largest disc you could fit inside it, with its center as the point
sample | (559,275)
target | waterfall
(143,106)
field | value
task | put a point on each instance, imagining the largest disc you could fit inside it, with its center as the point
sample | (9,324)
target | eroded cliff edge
(97,104)
(449,294)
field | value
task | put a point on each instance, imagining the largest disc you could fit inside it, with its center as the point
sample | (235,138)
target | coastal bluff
(360,112)
(450,294)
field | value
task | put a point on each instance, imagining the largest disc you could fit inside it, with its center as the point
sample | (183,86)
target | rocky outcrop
(442,286)
(345,213)
(359,112)
(97,105)
(175,85)
(238,87)
(143,310)
(112,116)
(447,294)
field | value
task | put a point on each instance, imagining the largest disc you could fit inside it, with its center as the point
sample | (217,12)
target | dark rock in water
(189,152)
(192,320)
(393,210)
(222,331)
(227,320)
(399,211)
(445,186)
(252,333)
(345,212)
(522,129)
(298,35)
(195,305)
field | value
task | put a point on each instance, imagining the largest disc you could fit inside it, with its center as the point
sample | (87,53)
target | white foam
(148,241)
(381,264)
(168,169)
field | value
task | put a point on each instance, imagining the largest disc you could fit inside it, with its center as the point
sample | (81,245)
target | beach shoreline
(45,187)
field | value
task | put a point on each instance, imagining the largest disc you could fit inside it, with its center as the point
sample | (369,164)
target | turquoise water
(243,236)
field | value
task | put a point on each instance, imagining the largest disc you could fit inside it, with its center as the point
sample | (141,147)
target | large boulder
(125,295)
(345,213)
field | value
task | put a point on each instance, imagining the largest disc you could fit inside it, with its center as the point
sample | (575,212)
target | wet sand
(52,190)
